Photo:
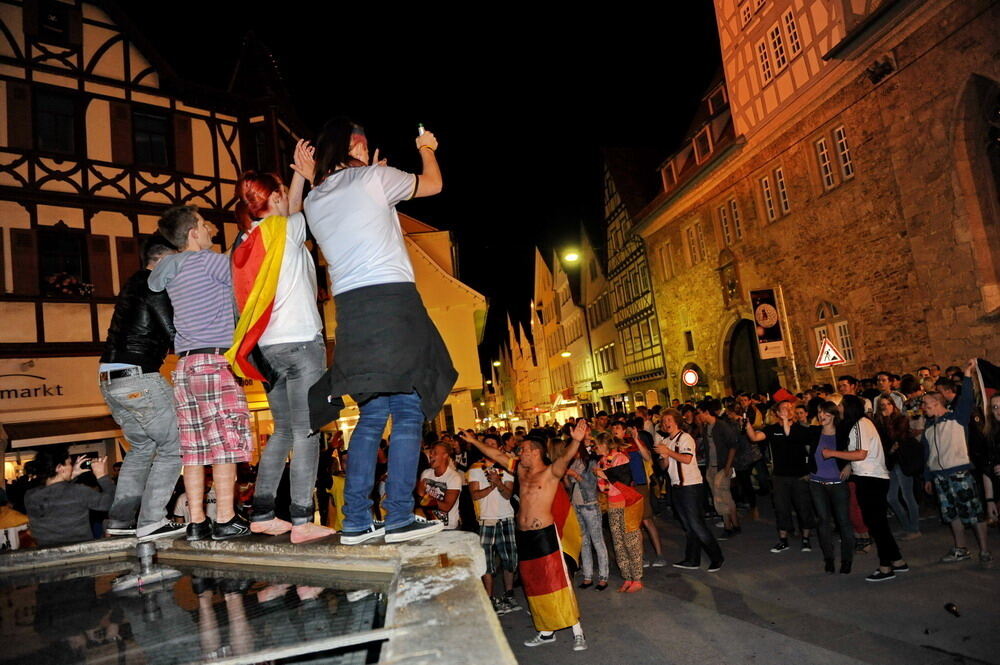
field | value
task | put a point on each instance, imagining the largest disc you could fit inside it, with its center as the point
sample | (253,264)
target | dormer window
(702,144)
(669,175)
(717,101)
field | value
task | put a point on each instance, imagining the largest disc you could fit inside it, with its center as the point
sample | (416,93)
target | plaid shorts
(212,412)
(499,537)
(958,497)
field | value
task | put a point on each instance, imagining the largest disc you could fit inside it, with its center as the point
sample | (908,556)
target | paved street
(782,608)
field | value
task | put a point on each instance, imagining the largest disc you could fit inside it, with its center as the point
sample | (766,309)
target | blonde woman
(614,477)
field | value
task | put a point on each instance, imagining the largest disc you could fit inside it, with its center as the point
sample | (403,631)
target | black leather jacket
(142,328)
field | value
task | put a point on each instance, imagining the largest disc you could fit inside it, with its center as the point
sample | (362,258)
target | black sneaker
(781,546)
(715,566)
(904,568)
(725,535)
(806,545)
(687,565)
(879,576)
(418,528)
(199,530)
(120,528)
(234,528)
(376,530)
(168,530)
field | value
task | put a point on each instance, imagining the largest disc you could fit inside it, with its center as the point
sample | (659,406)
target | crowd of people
(835,460)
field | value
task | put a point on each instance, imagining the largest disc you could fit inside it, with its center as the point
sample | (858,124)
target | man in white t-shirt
(491,487)
(440,486)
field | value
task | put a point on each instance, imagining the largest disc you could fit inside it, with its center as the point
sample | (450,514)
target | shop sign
(27,386)
(597,385)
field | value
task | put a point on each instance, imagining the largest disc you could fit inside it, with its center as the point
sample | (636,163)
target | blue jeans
(910,516)
(298,365)
(404,453)
(143,406)
(688,501)
(593,541)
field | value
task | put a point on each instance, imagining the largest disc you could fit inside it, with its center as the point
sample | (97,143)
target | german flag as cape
(256,267)
(546,579)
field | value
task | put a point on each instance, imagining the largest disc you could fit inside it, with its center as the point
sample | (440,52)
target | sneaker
(234,528)
(120,529)
(904,568)
(418,528)
(645,563)
(539,639)
(863,545)
(879,576)
(985,559)
(579,643)
(512,603)
(500,607)
(659,562)
(687,565)
(715,566)
(725,535)
(806,545)
(781,546)
(358,537)
(199,530)
(168,530)
(956,554)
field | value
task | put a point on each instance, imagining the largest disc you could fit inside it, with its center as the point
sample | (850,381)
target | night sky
(521,104)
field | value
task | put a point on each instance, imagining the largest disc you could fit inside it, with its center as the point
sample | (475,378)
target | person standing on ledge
(389,358)
(540,559)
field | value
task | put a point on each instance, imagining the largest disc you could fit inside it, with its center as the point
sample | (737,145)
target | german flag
(545,579)
(568,526)
(628,498)
(256,266)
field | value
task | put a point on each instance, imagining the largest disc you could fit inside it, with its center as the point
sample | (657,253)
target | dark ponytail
(333,146)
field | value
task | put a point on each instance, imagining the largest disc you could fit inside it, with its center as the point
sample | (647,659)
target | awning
(68,430)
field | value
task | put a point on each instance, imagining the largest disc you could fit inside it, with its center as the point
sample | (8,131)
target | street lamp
(496,363)
(488,382)
(572,256)
(566,354)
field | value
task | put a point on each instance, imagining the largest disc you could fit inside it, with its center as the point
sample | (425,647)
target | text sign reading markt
(770,338)
(24,387)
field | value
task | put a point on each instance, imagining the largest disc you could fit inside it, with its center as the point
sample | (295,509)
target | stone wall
(892,248)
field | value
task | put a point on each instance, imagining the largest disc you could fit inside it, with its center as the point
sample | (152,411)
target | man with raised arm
(540,560)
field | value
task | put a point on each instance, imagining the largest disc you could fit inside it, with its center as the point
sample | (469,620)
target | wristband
(428,147)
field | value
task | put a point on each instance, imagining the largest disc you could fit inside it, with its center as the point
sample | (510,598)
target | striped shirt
(201,292)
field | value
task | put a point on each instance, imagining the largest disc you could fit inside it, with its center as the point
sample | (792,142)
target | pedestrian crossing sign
(829,355)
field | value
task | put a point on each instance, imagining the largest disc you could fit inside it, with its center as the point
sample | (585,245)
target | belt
(120,373)
(214,350)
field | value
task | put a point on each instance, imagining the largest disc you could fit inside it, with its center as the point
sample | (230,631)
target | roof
(635,175)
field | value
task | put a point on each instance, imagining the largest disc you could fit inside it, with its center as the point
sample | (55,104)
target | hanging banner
(770,336)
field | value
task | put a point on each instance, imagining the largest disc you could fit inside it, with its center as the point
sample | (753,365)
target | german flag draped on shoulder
(256,267)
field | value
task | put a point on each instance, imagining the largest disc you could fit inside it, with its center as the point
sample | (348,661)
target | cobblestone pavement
(766,608)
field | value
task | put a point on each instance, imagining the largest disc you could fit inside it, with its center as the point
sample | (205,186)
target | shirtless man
(550,597)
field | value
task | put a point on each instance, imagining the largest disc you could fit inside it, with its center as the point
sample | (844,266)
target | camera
(88,460)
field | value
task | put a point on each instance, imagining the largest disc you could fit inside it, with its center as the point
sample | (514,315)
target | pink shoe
(271,527)
(304,533)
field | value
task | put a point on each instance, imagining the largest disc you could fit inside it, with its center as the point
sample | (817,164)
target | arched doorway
(747,372)
(694,383)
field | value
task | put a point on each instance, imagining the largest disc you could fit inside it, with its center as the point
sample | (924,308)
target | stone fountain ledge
(437,609)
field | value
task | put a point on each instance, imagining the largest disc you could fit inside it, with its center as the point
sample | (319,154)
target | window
(734,210)
(700,232)
(746,13)
(702,144)
(717,101)
(778,47)
(63,265)
(792,32)
(765,190)
(825,165)
(667,260)
(55,122)
(843,153)
(758,4)
(727,234)
(765,63)
(606,359)
(832,326)
(669,175)
(689,340)
(593,268)
(692,244)
(846,345)
(779,181)
(152,138)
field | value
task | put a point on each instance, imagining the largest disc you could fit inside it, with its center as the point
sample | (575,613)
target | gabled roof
(634,173)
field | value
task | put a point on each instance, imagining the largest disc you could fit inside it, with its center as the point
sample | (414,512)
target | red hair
(253,191)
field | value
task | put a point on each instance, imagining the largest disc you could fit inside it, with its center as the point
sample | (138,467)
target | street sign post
(829,355)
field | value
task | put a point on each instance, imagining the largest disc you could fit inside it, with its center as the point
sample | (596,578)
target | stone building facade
(860,185)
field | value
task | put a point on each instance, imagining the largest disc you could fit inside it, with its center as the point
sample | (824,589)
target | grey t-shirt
(352,215)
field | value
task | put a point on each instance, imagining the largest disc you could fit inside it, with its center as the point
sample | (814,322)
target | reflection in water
(187,620)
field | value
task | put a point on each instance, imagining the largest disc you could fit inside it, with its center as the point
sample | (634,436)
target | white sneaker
(539,639)
(358,537)
(579,643)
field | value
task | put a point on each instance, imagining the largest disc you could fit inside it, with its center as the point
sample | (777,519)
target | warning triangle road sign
(829,355)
